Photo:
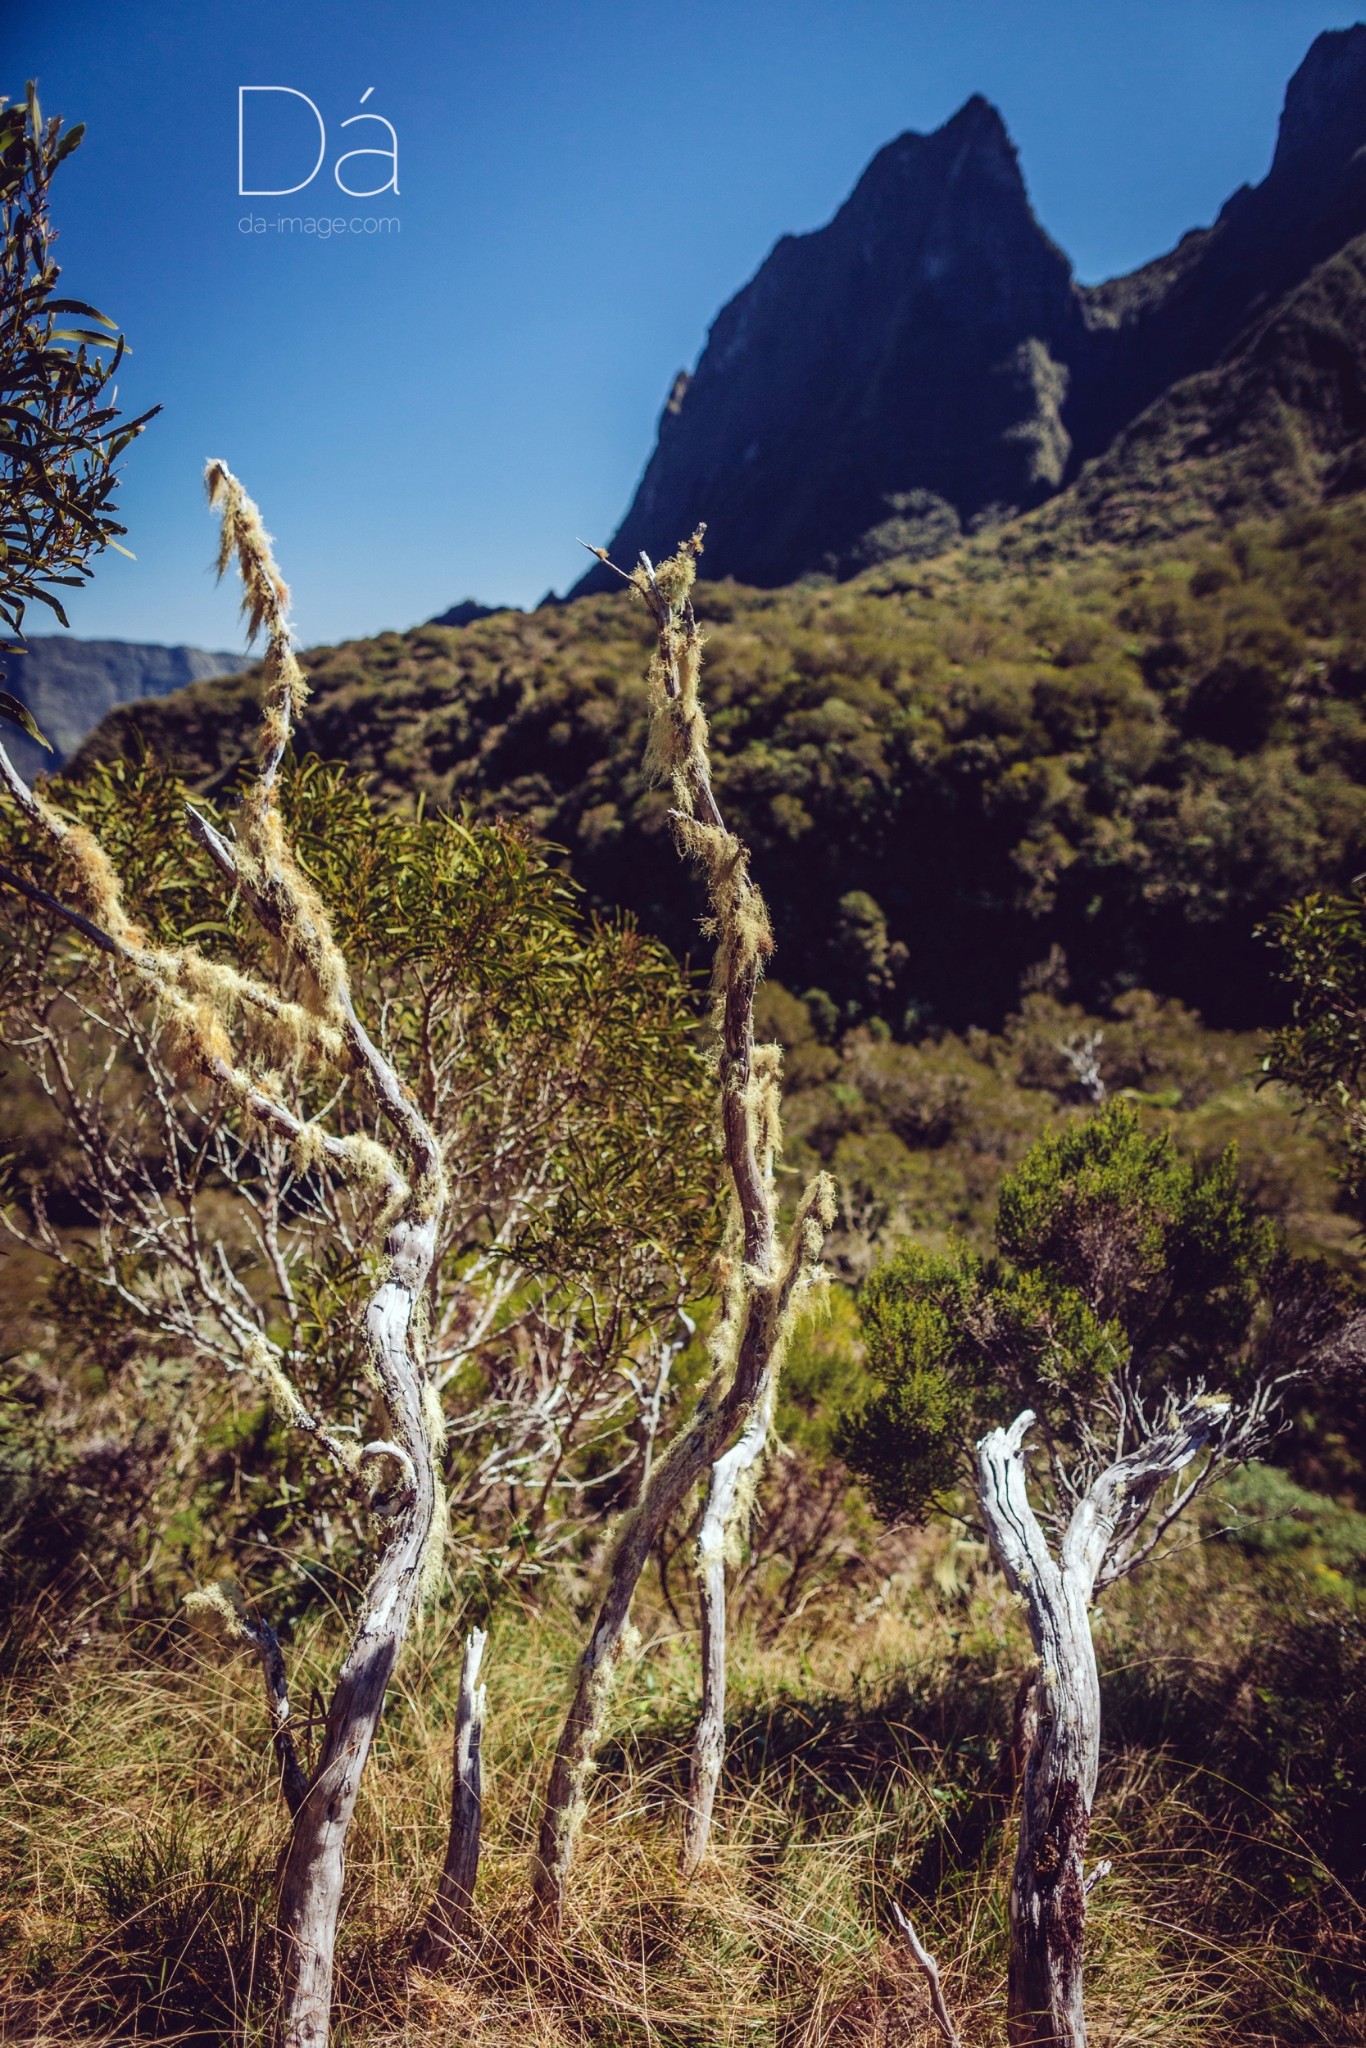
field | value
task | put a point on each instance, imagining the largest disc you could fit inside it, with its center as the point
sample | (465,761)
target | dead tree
(1118,1266)
(729,1497)
(237,1034)
(452,1909)
(1104,1538)
(764,1283)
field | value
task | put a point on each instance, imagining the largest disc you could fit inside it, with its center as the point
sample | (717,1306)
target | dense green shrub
(156,1231)
(950,770)
(1122,1276)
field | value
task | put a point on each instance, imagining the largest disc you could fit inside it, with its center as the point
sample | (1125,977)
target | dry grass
(140,1823)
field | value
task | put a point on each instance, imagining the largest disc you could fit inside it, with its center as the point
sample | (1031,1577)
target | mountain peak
(980,116)
(1323,122)
(901,359)
(925,360)
(975,139)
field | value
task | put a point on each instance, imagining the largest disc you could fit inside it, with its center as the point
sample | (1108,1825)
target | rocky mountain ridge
(926,362)
(69,685)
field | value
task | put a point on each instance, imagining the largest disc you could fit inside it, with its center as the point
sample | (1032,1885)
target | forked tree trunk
(719,1417)
(709,1742)
(452,1909)
(1058,1718)
(311,1883)
(1062,1750)
(684,1463)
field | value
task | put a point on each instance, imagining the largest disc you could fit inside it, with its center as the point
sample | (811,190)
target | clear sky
(437,411)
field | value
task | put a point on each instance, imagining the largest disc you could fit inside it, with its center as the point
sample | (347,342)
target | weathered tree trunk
(1048,1886)
(311,1884)
(1048,1883)
(402,1472)
(763,1287)
(720,1414)
(1059,1718)
(709,1743)
(451,1912)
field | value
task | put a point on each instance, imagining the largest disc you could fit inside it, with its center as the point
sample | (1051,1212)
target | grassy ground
(869,1759)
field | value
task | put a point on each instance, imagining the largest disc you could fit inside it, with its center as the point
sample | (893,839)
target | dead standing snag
(452,1909)
(1119,1270)
(763,1285)
(1049,1885)
(730,1492)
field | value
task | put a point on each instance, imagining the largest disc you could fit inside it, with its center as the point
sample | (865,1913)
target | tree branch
(224,1605)
(938,2006)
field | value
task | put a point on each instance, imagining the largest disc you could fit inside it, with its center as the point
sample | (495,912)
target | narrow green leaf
(20,715)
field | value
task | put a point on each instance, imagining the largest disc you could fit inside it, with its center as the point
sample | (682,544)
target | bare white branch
(938,2006)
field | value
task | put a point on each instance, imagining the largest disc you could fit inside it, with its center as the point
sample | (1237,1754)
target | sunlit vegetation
(947,769)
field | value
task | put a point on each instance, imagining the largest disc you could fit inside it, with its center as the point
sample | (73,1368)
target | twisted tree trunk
(402,1472)
(1048,1886)
(311,1883)
(1059,1718)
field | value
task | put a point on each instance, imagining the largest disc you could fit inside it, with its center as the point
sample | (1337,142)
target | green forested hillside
(1018,818)
(1279,423)
(951,772)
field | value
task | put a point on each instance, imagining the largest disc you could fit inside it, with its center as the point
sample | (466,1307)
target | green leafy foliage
(1115,1258)
(555,1051)
(919,1134)
(950,771)
(1321,1052)
(1174,1257)
(1270,1516)
(61,435)
(19,714)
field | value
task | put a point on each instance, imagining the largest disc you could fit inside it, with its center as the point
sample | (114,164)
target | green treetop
(1125,1280)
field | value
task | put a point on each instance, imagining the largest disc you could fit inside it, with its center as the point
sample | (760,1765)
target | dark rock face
(464,614)
(1278,424)
(929,348)
(69,685)
(1180,315)
(912,344)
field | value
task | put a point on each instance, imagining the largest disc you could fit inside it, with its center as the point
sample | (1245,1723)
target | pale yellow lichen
(223,1607)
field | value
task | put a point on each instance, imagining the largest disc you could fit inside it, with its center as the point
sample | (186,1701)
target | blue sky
(437,411)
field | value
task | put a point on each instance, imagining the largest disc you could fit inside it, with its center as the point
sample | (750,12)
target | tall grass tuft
(868,1760)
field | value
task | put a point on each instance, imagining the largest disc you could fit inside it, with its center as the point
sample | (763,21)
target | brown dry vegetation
(869,1759)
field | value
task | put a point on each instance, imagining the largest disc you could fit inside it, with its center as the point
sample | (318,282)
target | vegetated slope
(1279,422)
(950,772)
(69,684)
(926,360)
(918,1135)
